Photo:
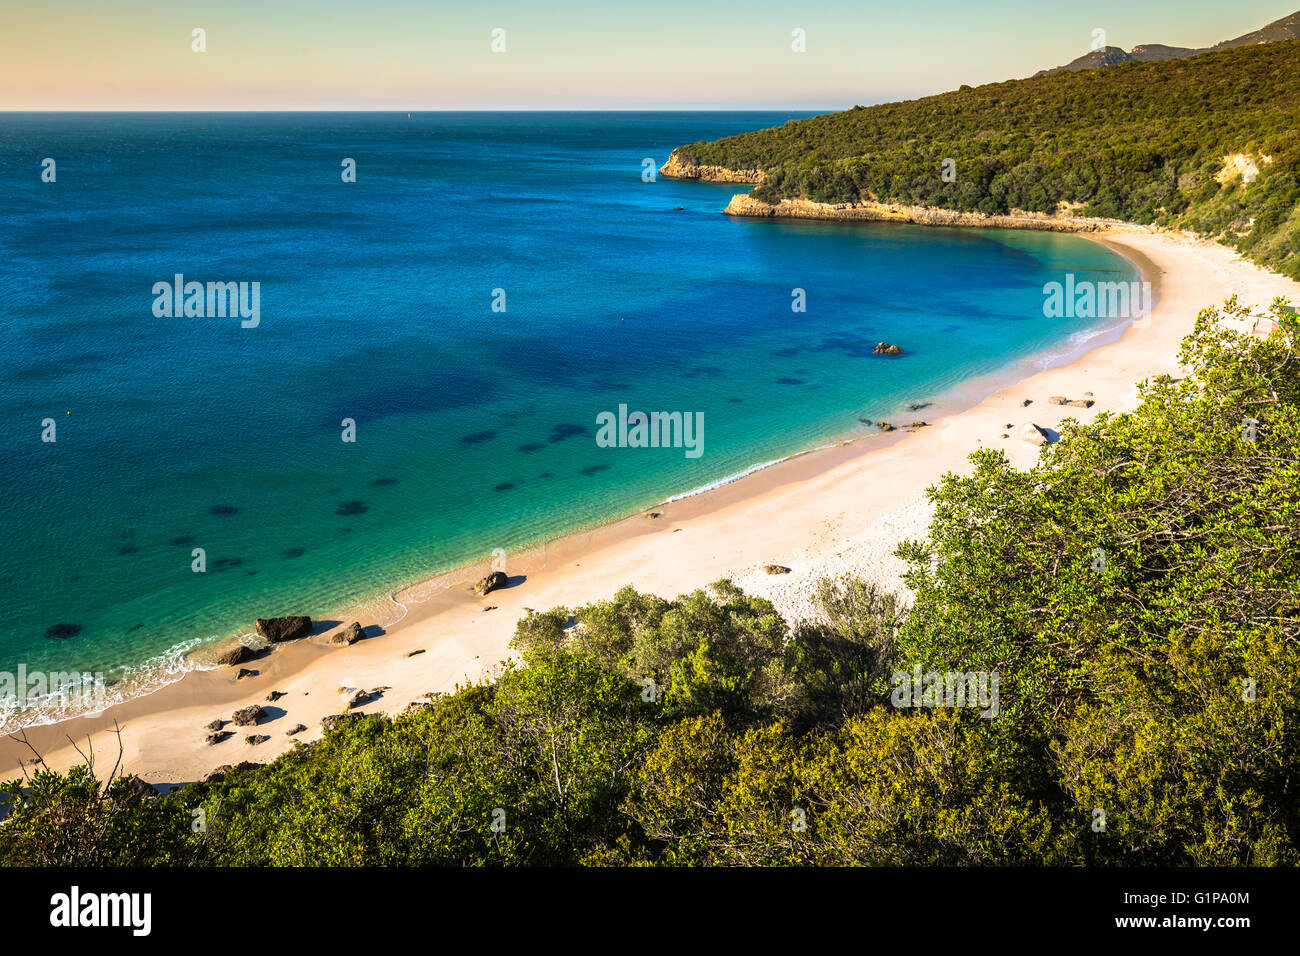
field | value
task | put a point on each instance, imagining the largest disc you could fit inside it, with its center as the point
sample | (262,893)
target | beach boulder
(1081,403)
(495,580)
(776,569)
(884,348)
(247,716)
(236,655)
(1033,434)
(276,629)
(348,635)
(1058,400)
(359,698)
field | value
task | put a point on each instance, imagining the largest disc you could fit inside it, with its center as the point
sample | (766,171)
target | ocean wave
(120,685)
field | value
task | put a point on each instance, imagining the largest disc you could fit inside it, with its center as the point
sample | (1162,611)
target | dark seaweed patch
(561,432)
(293,553)
(352,508)
(475,437)
(531,447)
(383,482)
(223,511)
(62,631)
(593,469)
(181,541)
(504,486)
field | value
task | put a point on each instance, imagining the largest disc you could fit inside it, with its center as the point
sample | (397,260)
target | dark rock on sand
(276,695)
(255,739)
(300,729)
(276,629)
(495,580)
(216,724)
(245,672)
(219,736)
(236,655)
(348,635)
(248,716)
(776,569)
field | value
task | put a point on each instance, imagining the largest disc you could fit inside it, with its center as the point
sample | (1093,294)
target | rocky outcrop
(776,569)
(294,731)
(679,168)
(348,635)
(277,629)
(247,716)
(360,698)
(236,655)
(743,204)
(495,580)
(884,348)
(255,739)
(1033,434)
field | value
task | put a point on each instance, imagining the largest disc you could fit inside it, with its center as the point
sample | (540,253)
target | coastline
(832,510)
(744,205)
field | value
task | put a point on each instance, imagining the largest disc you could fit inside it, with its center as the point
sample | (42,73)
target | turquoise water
(475,429)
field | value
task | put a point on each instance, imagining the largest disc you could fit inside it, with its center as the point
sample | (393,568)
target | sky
(562,54)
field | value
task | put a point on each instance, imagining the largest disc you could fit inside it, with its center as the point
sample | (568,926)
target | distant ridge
(1288,28)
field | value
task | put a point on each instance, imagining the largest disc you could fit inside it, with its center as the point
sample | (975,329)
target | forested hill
(1143,142)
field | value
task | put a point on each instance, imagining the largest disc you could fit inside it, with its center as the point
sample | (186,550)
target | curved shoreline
(821,503)
(146,678)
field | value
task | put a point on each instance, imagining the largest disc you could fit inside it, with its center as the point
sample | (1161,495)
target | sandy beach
(834,511)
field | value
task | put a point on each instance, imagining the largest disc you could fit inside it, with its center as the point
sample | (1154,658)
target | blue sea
(474,427)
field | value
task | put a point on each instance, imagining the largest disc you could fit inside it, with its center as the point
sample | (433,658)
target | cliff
(743,204)
(676,168)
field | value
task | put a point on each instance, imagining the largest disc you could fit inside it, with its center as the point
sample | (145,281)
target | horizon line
(407,109)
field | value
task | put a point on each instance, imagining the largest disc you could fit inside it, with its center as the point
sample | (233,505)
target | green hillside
(1136,595)
(1141,142)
